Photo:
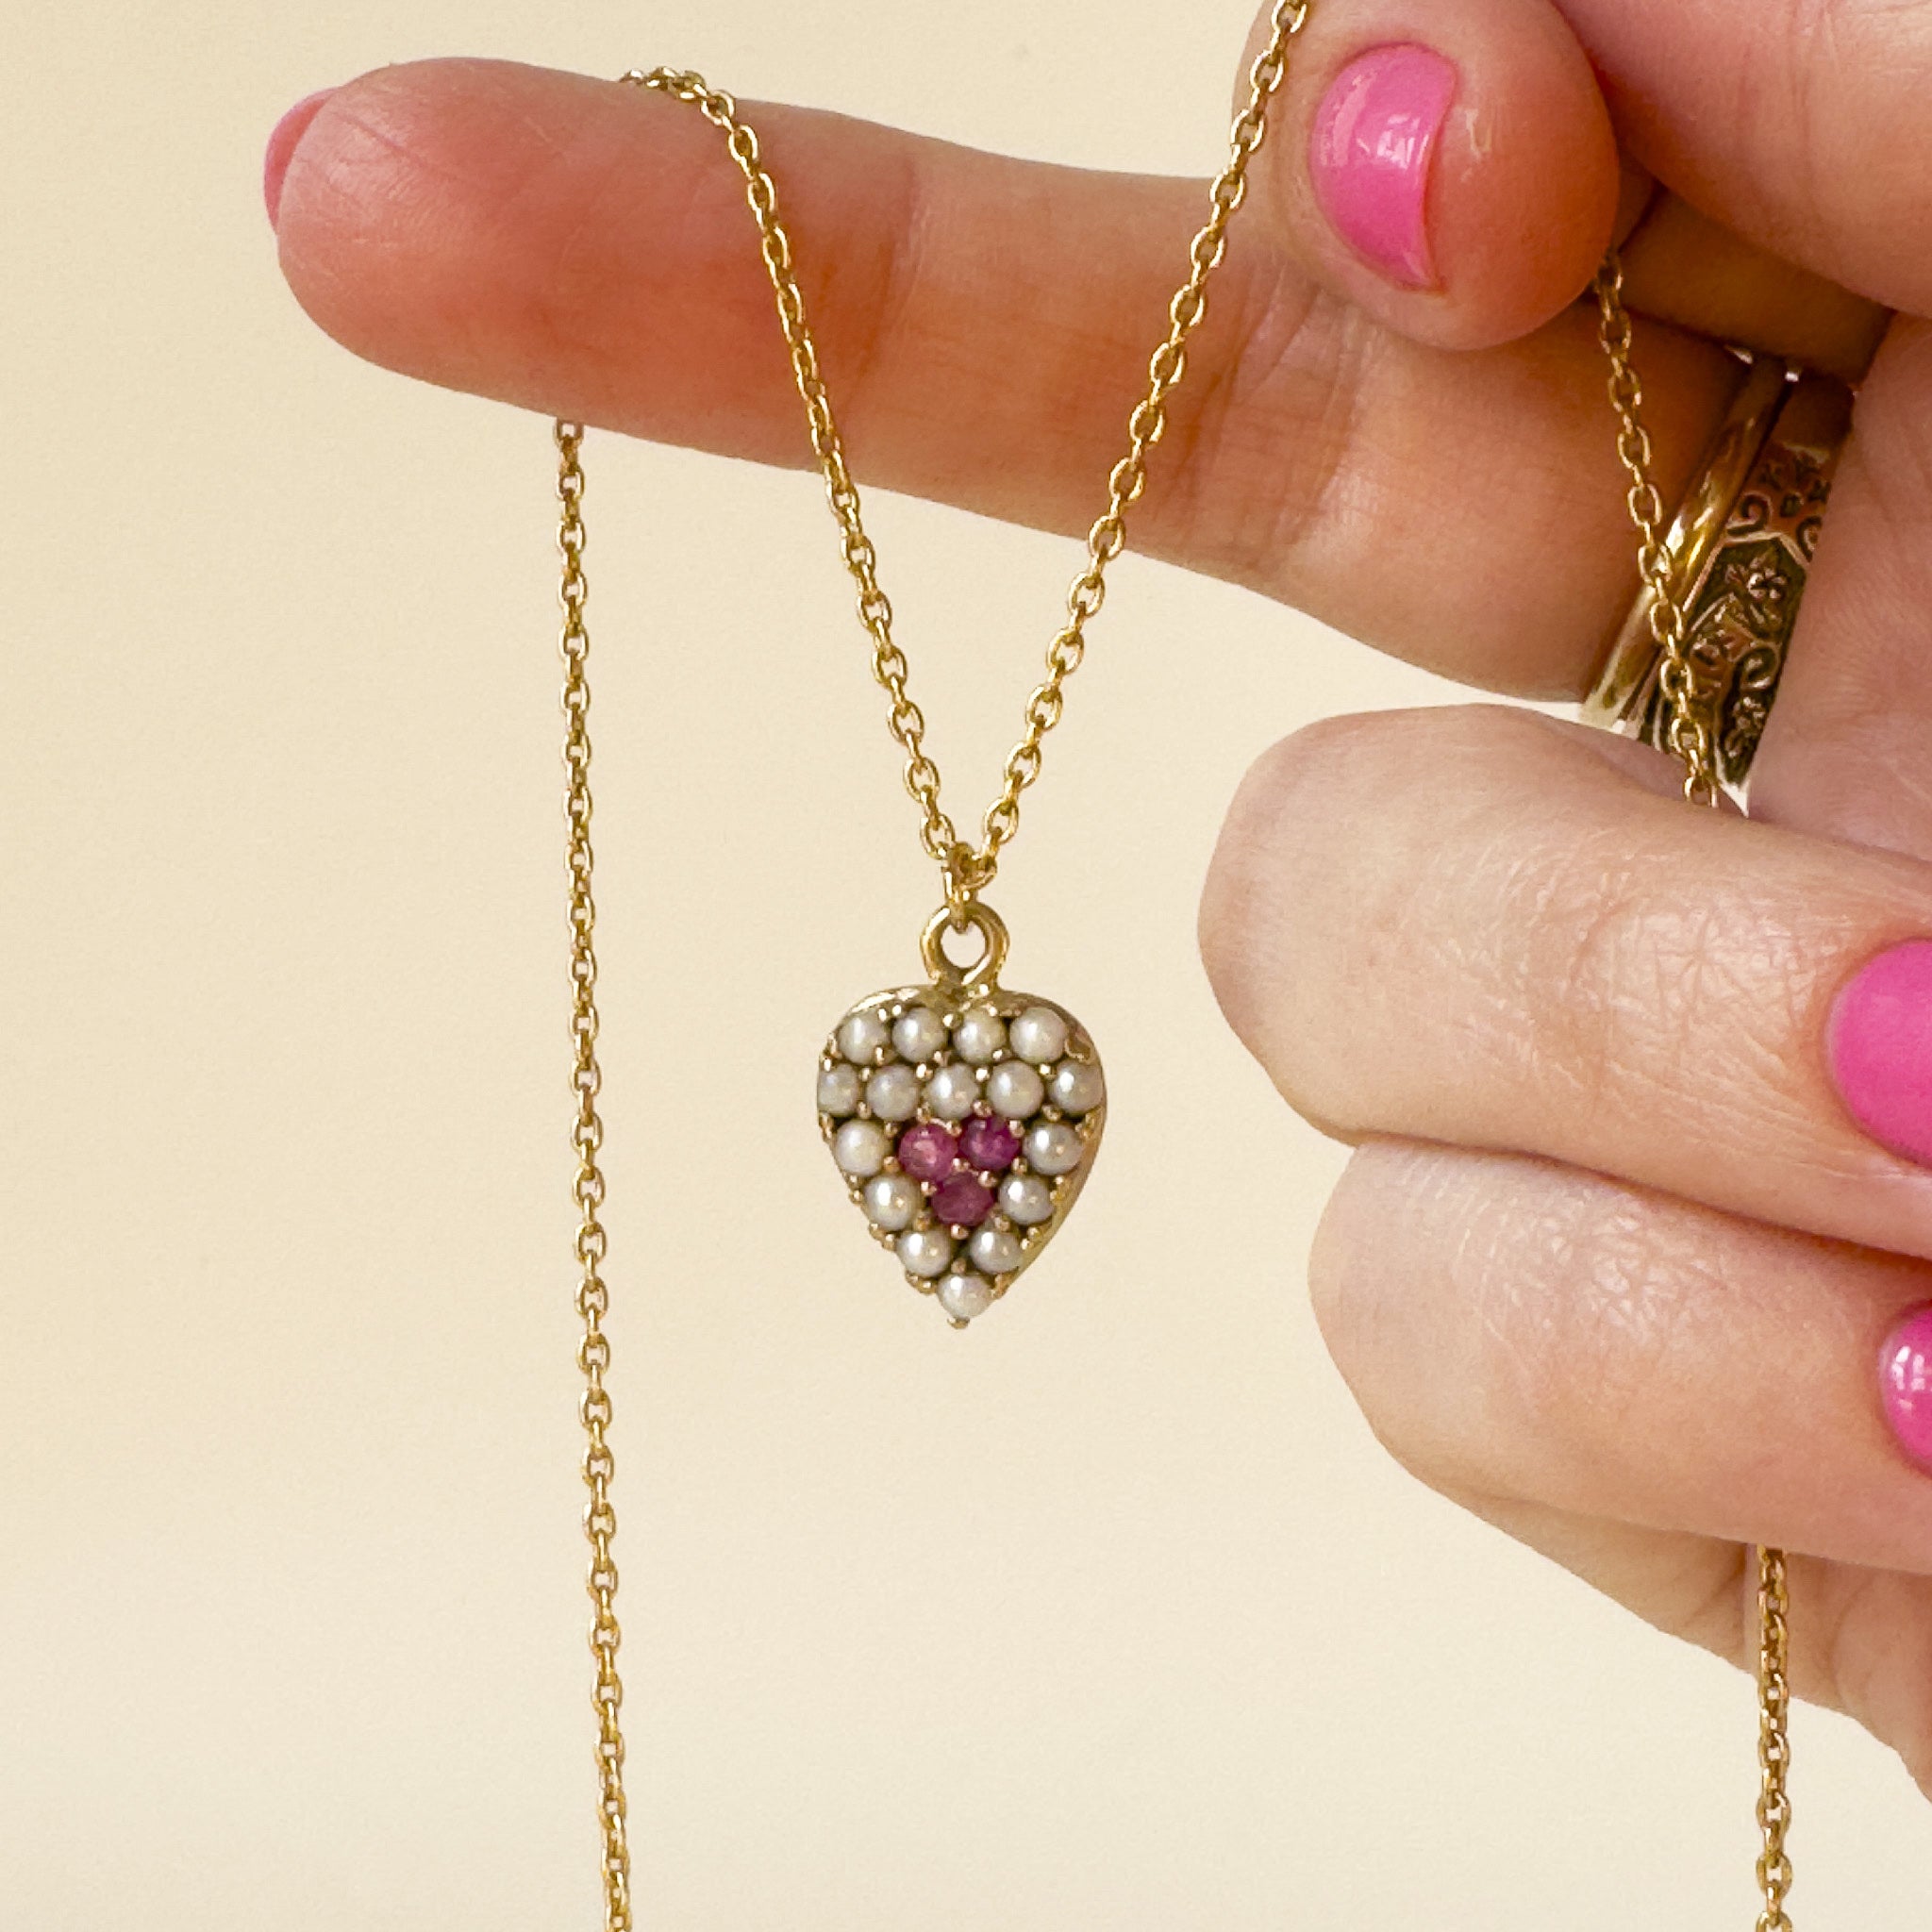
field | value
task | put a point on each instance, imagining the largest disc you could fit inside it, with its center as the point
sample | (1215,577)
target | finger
(1537,952)
(1844,753)
(1801,126)
(575,247)
(1452,170)
(1640,1389)
(1682,267)
(1860,1640)
(1515,1328)
(1447,167)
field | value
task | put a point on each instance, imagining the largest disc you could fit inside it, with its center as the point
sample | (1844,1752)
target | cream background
(1109,1614)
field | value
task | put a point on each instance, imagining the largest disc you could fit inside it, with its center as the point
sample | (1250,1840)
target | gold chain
(1691,737)
(587,1135)
(1773,1740)
(966,870)
(1690,731)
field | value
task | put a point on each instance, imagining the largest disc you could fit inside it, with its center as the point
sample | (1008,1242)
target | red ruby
(991,1147)
(927,1151)
(962,1202)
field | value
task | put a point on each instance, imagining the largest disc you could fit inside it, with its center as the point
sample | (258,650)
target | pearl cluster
(960,1128)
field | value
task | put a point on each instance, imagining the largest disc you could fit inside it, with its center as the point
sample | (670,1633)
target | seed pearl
(919,1034)
(1015,1089)
(925,1250)
(994,1251)
(838,1090)
(964,1296)
(1077,1086)
(979,1036)
(1026,1198)
(891,1201)
(892,1094)
(1052,1147)
(860,1037)
(951,1093)
(1039,1035)
(860,1148)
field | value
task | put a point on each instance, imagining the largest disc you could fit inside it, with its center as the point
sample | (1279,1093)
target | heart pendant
(963,1118)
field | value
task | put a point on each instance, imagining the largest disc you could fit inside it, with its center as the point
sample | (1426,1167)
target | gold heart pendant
(963,1119)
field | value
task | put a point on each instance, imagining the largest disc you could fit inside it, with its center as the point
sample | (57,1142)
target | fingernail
(1374,141)
(282,144)
(1905,1384)
(1879,1045)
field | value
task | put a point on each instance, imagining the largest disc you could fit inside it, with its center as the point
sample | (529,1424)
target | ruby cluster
(963,1167)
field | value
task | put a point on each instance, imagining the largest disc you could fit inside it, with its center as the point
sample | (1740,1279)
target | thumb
(1447,167)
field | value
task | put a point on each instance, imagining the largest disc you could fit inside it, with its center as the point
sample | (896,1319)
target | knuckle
(1271,436)
(1349,1267)
(1339,882)
(1279,824)
(1375,1315)
(1251,873)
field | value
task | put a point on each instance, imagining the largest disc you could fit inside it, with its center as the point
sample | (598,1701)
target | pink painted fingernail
(1374,140)
(282,144)
(1904,1385)
(1879,1044)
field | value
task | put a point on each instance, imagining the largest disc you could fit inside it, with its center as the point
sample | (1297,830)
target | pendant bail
(945,971)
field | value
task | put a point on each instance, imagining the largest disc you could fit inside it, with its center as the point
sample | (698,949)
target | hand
(1613,1262)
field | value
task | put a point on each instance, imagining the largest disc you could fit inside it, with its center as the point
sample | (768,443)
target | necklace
(962,1118)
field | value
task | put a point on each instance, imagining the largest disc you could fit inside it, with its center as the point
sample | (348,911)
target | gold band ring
(1741,549)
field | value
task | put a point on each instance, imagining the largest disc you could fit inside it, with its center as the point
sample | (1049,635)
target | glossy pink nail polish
(282,144)
(1879,1044)
(1371,151)
(1904,1385)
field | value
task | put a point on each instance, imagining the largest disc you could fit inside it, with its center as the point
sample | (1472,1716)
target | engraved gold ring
(1739,552)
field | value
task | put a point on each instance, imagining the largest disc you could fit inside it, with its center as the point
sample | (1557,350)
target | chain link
(1691,730)
(968,868)
(586,1137)
(1773,1740)
(1691,736)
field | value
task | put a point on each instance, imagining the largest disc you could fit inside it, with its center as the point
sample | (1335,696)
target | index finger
(576,248)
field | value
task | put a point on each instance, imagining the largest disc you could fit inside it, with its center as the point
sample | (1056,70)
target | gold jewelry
(1691,730)
(962,1118)
(960,1038)
(1739,553)
(931,1097)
